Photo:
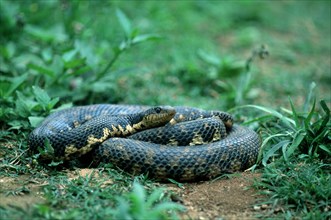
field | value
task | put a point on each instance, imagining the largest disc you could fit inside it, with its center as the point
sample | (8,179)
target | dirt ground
(230,198)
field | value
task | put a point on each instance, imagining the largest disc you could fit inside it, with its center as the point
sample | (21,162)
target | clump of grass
(297,188)
(305,134)
(296,155)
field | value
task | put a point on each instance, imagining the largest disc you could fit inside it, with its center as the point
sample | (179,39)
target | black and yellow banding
(69,140)
(119,134)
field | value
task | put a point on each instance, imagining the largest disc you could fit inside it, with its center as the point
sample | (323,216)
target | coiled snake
(103,131)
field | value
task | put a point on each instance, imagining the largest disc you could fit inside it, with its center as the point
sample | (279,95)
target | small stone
(257,208)
(264,206)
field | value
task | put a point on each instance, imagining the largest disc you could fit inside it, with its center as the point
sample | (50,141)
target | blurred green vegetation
(59,53)
(61,45)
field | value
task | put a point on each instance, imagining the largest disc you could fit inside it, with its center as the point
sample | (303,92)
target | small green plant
(71,72)
(138,205)
(296,155)
(292,133)
(230,76)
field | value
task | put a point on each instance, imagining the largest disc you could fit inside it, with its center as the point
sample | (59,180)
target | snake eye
(157,109)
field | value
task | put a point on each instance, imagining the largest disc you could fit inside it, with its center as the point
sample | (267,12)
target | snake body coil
(103,130)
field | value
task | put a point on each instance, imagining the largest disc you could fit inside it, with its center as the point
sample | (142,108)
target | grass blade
(325,148)
(271,152)
(326,119)
(309,96)
(286,120)
(298,138)
(294,113)
(310,115)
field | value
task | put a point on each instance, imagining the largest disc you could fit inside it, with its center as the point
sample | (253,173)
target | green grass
(296,154)
(101,194)
(297,189)
(195,53)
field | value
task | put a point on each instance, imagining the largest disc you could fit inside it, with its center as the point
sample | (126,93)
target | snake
(122,135)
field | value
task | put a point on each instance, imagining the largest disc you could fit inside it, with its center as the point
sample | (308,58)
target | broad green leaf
(17,124)
(63,106)
(4,87)
(123,45)
(53,34)
(35,121)
(43,99)
(209,58)
(81,71)
(16,82)
(145,37)
(73,63)
(86,51)
(7,50)
(41,34)
(41,69)
(41,96)
(68,56)
(52,103)
(21,107)
(47,54)
(124,21)
(57,65)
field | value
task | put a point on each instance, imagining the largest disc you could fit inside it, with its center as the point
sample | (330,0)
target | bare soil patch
(231,198)
(20,191)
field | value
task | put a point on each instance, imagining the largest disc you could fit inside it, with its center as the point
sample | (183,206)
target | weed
(306,134)
(296,155)
(67,73)
(137,206)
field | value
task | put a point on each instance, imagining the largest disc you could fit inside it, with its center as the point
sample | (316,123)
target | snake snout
(158,116)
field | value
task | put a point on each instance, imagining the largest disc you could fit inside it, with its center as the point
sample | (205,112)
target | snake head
(157,116)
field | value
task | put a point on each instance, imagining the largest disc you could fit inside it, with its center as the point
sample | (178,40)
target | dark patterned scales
(74,132)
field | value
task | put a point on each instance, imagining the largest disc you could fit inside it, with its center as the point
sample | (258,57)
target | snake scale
(111,134)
